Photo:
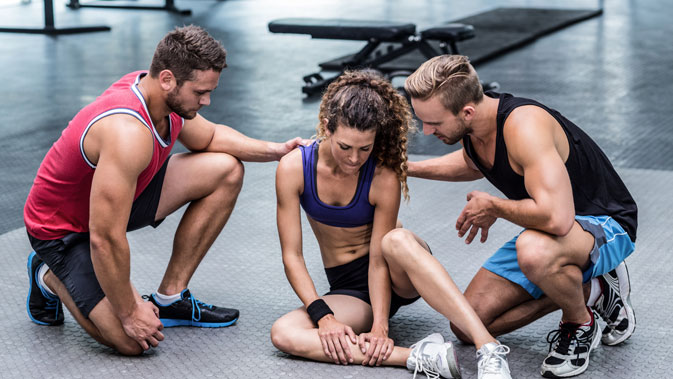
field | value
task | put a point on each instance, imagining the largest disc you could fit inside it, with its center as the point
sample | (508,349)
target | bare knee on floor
(119,341)
(281,337)
(129,349)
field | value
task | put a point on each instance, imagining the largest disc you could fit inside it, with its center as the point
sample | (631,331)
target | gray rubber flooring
(612,75)
(244,270)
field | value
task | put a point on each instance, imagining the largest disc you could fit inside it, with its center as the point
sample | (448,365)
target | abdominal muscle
(338,245)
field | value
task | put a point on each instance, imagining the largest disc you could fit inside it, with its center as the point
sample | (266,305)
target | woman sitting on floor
(349,183)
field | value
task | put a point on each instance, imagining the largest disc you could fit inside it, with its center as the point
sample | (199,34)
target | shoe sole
(579,370)
(452,360)
(30,290)
(625,294)
(170,323)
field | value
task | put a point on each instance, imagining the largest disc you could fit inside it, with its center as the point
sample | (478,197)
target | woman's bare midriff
(338,245)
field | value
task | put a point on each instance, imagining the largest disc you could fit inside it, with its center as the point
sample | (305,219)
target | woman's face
(351,147)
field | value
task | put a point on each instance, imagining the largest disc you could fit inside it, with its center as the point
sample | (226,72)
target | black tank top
(597,189)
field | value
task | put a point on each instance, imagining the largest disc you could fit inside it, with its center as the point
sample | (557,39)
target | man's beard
(177,108)
(456,137)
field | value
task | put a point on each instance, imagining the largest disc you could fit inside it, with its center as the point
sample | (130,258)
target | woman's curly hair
(364,100)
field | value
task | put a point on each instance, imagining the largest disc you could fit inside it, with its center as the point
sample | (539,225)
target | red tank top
(58,202)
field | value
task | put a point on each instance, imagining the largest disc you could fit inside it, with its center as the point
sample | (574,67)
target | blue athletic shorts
(611,246)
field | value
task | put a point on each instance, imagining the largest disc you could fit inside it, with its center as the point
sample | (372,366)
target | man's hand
(143,325)
(476,215)
(284,148)
(380,347)
(333,338)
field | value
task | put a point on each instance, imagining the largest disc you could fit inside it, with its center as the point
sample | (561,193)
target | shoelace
(426,364)
(562,339)
(196,306)
(491,362)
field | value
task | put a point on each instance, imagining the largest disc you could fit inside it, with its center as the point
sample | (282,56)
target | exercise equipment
(400,39)
(49,27)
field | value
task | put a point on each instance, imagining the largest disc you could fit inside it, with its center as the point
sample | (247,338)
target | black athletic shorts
(69,258)
(352,279)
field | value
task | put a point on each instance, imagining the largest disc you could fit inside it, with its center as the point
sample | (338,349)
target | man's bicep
(111,198)
(548,184)
(114,181)
(197,133)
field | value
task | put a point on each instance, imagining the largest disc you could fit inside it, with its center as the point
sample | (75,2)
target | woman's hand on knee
(376,346)
(336,339)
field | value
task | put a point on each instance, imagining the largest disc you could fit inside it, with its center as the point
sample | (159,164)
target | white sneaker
(434,357)
(614,306)
(492,361)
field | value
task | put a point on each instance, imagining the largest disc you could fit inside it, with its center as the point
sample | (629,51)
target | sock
(166,299)
(590,322)
(40,279)
(595,292)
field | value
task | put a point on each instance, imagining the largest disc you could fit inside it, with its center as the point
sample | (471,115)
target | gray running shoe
(614,306)
(434,357)
(492,362)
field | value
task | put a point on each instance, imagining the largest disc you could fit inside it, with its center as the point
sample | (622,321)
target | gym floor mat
(244,270)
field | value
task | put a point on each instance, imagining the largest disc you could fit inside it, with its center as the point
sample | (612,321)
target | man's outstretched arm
(200,134)
(453,167)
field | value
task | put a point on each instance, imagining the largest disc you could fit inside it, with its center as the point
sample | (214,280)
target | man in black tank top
(579,219)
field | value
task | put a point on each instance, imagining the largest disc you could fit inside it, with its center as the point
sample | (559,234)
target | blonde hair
(364,100)
(451,77)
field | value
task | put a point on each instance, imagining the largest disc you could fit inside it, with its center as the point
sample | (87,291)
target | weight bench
(397,38)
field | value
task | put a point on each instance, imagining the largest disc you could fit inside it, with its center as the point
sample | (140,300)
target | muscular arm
(122,148)
(200,134)
(455,167)
(289,185)
(550,208)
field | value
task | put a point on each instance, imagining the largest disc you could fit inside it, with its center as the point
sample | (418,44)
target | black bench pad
(359,30)
(449,32)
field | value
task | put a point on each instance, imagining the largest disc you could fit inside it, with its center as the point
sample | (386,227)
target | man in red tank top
(111,171)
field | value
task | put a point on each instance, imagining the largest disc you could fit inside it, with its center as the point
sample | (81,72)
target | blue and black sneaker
(191,312)
(43,308)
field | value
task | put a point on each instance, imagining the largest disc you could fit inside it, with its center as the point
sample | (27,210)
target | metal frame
(315,83)
(169,6)
(49,27)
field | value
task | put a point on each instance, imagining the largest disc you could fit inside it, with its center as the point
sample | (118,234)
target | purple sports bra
(358,212)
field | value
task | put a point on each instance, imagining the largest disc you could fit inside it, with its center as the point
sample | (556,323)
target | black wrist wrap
(317,310)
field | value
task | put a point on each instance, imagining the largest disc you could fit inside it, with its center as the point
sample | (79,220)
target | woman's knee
(397,244)
(281,337)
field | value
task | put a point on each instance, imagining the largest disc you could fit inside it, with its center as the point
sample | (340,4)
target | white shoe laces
(427,364)
(491,361)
